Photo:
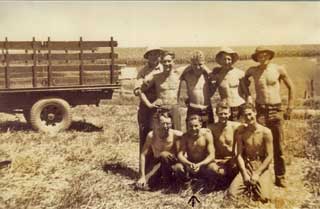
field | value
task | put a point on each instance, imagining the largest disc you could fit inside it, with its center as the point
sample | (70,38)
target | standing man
(196,150)
(196,77)
(224,144)
(153,66)
(166,86)
(267,77)
(226,79)
(254,155)
(158,156)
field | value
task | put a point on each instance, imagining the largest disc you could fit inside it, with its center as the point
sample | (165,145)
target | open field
(134,56)
(95,163)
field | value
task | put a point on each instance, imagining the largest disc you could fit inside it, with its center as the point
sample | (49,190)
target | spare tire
(50,115)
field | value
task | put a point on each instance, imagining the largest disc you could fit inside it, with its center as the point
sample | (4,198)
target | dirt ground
(95,164)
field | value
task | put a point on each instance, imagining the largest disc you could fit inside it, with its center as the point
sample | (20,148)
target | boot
(280,181)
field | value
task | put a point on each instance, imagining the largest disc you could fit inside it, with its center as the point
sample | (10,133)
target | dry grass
(93,167)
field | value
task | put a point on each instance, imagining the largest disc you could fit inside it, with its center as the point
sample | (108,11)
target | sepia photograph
(159,104)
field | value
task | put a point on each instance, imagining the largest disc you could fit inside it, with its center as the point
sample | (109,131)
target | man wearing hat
(226,79)
(195,76)
(267,77)
(153,57)
(166,85)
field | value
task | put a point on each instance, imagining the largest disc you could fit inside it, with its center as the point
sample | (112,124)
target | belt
(268,106)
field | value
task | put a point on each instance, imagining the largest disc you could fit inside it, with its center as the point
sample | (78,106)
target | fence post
(34,57)
(81,61)
(7,76)
(49,64)
(112,62)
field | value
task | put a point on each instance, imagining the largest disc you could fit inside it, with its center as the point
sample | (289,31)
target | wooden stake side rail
(43,68)
(56,45)
(58,56)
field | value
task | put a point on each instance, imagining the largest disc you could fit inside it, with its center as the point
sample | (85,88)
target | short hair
(194,117)
(197,56)
(165,53)
(159,114)
(249,106)
(222,105)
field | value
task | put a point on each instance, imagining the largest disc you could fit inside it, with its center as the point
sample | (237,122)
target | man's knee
(178,168)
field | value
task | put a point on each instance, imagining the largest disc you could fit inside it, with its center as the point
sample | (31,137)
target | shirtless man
(223,138)
(153,57)
(267,77)
(166,85)
(158,155)
(254,155)
(227,80)
(196,151)
(196,77)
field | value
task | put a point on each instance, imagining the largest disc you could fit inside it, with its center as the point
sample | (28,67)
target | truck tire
(50,115)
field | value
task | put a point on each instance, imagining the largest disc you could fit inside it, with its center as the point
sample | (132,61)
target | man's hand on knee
(168,157)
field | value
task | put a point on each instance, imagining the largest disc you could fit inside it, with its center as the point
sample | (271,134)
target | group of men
(238,148)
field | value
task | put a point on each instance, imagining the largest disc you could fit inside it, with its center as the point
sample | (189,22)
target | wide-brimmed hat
(262,49)
(229,51)
(151,49)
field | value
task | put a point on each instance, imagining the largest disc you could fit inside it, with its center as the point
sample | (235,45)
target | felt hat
(152,49)
(262,49)
(229,51)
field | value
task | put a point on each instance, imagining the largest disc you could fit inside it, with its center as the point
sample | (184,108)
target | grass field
(95,163)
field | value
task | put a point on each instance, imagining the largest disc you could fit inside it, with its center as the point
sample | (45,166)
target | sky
(165,24)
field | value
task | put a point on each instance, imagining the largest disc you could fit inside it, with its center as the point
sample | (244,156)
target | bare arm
(182,151)
(210,150)
(148,81)
(143,155)
(244,85)
(239,157)
(287,81)
(267,139)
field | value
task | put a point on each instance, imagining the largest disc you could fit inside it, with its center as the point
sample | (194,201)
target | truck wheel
(50,115)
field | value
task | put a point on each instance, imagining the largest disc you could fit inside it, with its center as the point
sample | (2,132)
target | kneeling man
(224,144)
(196,151)
(158,155)
(254,156)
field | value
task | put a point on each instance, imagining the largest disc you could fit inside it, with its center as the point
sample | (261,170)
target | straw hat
(152,49)
(262,49)
(229,51)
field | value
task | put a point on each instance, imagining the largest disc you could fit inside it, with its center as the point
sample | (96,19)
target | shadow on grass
(80,126)
(121,169)
(14,126)
(83,126)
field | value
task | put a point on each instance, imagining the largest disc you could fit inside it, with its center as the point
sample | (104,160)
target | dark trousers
(205,114)
(144,121)
(271,117)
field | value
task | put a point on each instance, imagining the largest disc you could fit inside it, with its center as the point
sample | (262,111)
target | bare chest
(267,77)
